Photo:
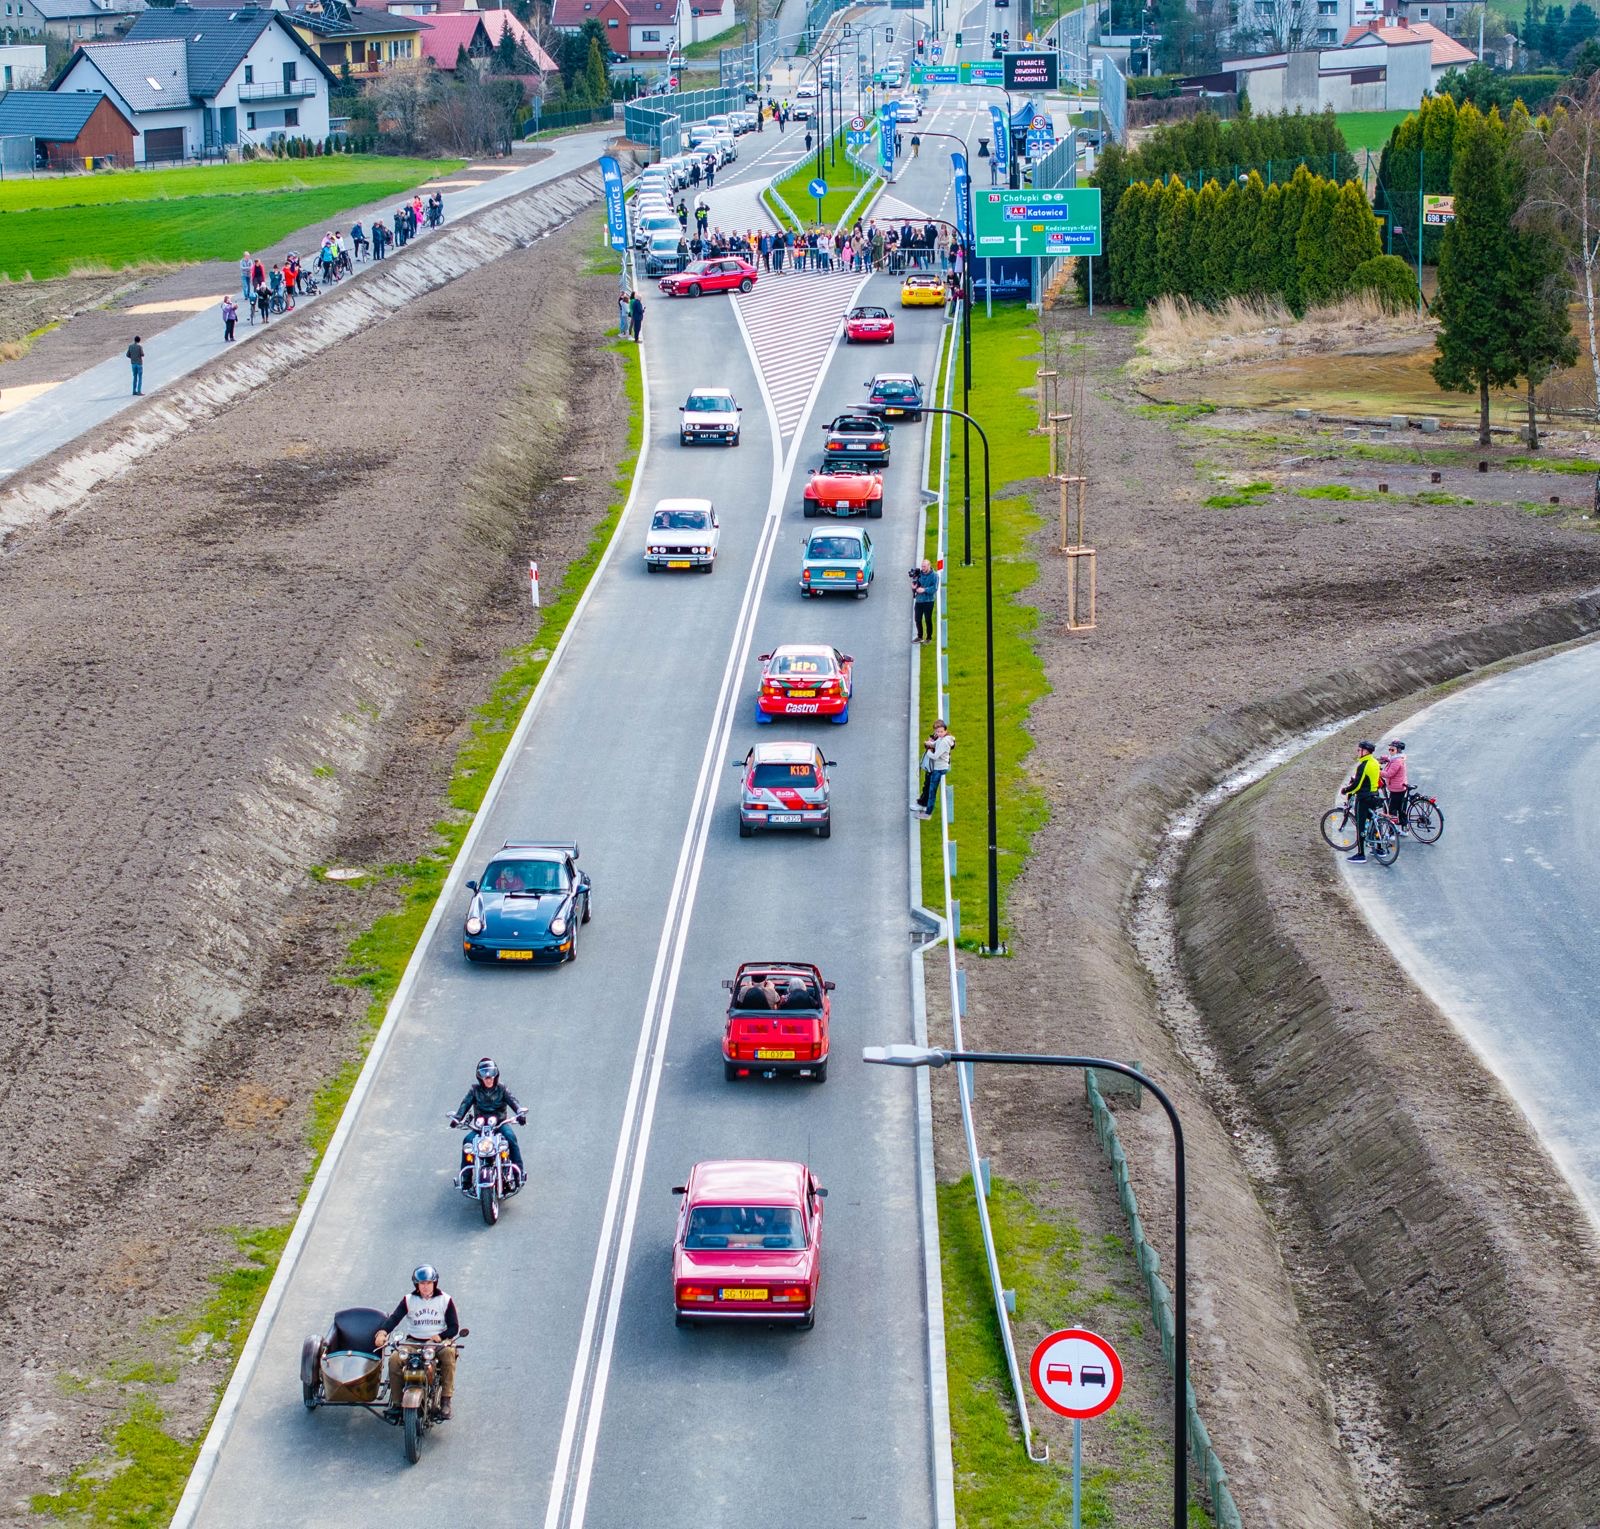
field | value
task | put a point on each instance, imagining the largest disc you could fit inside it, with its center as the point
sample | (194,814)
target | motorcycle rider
(426,1314)
(488,1096)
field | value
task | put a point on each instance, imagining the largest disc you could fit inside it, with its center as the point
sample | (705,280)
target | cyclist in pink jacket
(1392,774)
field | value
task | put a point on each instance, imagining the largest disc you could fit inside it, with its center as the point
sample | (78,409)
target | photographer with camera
(924,595)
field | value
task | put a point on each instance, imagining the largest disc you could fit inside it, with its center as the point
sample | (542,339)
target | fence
(544,122)
(817,19)
(16,155)
(657,120)
(1335,166)
(1113,101)
(1216,1479)
(1058,168)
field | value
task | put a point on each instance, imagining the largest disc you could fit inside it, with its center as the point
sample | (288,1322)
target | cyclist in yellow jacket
(1363,786)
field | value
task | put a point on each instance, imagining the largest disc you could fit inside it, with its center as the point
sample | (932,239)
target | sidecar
(343,1367)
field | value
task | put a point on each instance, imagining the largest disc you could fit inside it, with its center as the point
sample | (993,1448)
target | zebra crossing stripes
(793,322)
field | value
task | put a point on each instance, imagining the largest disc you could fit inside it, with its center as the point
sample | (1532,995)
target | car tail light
(755,807)
(789,1295)
(860,576)
(877,445)
(771,687)
(831,687)
(805,575)
(688,1294)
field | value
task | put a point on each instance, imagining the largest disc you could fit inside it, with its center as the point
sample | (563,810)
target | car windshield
(802,663)
(708,403)
(834,546)
(679,520)
(525,876)
(744,1226)
(892,389)
(799,776)
(696,268)
(869,313)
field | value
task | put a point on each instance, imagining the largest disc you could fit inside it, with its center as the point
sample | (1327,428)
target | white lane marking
(610,1264)
(227,1411)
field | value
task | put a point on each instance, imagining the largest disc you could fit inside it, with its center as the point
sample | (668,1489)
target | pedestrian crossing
(793,320)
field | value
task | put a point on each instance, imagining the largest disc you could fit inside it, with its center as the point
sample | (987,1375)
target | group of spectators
(868,246)
(265,289)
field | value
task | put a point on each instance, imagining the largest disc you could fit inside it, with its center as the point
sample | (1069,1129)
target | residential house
(444,38)
(498,22)
(22,65)
(74,20)
(198,82)
(67,129)
(363,42)
(1373,77)
(1444,52)
(646,29)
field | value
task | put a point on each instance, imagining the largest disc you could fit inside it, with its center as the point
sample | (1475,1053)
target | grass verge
(844,185)
(140,1477)
(1061,1279)
(1004,356)
(132,218)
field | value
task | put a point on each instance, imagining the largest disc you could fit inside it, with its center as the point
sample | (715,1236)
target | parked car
(748,1246)
(767,1038)
(666,254)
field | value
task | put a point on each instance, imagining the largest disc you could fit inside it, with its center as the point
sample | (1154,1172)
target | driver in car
(509,879)
(425,1315)
(488,1096)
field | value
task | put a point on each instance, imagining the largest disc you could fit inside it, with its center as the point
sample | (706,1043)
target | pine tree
(1314,244)
(1173,225)
(1244,279)
(1265,276)
(597,83)
(1353,239)
(1203,284)
(1121,243)
(1540,326)
(1220,241)
(1476,350)
(1291,213)
(1144,270)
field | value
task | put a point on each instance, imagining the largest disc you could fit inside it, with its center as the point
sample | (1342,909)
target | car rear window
(834,546)
(679,520)
(744,1226)
(796,776)
(802,663)
(524,876)
(894,390)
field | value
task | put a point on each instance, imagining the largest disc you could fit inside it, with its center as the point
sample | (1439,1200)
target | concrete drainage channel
(373,297)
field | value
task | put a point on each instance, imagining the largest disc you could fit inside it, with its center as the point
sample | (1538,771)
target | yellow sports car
(922,292)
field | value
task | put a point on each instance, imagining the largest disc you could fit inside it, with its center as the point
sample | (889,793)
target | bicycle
(1424,821)
(1382,839)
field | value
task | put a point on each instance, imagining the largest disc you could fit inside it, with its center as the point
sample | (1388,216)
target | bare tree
(402,97)
(1565,183)
(1277,26)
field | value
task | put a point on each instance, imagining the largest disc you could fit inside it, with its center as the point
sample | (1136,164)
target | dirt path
(254,654)
(1203,611)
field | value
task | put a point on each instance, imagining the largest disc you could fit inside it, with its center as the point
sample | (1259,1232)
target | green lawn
(132,218)
(1369,129)
(1004,352)
(844,182)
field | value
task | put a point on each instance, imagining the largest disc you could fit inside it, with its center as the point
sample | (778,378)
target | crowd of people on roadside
(267,289)
(867,246)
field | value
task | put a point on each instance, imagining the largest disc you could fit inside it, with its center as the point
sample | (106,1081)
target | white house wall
(271,51)
(85,76)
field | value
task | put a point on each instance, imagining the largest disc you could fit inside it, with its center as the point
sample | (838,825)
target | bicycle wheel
(1426,822)
(1385,842)
(1339,827)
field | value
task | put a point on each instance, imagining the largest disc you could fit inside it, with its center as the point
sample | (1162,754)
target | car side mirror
(465,1332)
(472,886)
(820,1192)
(736,764)
(680,1189)
(832,764)
(845,656)
(765,657)
(828,987)
(683,408)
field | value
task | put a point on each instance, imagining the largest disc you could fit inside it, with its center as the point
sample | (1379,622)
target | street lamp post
(994,947)
(925,1056)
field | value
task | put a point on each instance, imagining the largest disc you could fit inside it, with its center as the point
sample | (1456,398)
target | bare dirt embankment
(253,653)
(1203,610)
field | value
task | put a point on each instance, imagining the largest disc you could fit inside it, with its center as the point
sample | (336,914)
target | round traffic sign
(1076,1373)
(857,124)
(818,188)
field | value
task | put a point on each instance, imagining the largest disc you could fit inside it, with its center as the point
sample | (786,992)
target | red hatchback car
(804,680)
(749,1244)
(868,325)
(724,274)
(844,491)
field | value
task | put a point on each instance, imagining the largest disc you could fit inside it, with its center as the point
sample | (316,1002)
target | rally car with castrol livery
(802,679)
(527,905)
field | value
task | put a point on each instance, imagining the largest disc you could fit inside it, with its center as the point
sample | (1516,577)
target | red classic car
(778,1014)
(844,491)
(868,325)
(804,680)
(726,273)
(749,1244)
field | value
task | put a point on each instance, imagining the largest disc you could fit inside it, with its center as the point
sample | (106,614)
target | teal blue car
(837,560)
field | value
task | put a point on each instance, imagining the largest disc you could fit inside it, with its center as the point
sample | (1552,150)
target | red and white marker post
(533,582)
(1077,1374)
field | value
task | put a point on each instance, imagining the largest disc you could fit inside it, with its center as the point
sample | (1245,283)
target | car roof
(851,531)
(543,851)
(800,649)
(894,377)
(748,1179)
(780,752)
(683,504)
(711,393)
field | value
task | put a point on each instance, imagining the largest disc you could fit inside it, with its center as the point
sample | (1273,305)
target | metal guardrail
(952,920)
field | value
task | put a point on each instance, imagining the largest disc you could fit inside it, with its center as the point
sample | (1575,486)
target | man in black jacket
(488,1096)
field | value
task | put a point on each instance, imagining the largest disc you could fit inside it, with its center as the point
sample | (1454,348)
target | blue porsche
(527,905)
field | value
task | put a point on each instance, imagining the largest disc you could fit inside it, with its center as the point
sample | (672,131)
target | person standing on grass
(924,595)
(135,355)
(624,314)
(246,266)
(936,751)
(230,317)
(636,315)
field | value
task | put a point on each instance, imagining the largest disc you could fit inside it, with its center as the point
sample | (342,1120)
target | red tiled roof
(443,37)
(497,22)
(1446,50)
(573,13)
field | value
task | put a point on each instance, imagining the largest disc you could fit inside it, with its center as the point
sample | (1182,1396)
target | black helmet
(424,1274)
(1367,746)
(1397,745)
(487,1069)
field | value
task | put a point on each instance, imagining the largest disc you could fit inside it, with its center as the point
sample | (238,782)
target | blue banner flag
(1002,140)
(616,213)
(963,191)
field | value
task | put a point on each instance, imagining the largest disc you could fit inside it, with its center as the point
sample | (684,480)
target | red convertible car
(749,1244)
(844,491)
(726,273)
(868,325)
(803,680)
(777,1021)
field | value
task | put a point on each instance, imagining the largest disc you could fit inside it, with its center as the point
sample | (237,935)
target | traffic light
(958,39)
(922,43)
(888,34)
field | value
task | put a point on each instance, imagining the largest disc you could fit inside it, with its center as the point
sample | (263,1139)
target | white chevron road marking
(793,321)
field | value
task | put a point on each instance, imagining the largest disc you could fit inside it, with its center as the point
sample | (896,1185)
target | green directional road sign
(1036,224)
(993,73)
(936,74)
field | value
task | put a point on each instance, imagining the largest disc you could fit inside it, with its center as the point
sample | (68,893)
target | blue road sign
(818,188)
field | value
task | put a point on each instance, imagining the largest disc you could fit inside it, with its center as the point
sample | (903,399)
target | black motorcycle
(488,1175)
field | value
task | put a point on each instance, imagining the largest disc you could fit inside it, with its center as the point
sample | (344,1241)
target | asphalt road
(1498,921)
(579,1400)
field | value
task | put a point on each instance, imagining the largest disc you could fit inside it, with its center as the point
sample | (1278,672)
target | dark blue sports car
(527,906)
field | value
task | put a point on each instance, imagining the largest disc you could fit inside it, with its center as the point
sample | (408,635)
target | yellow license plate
(833,573)
(894,411)
(775,1056)
(741,1293)
(515,955)
(678,563)
(802,693)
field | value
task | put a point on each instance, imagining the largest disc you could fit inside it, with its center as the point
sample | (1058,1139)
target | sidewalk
(54,418)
